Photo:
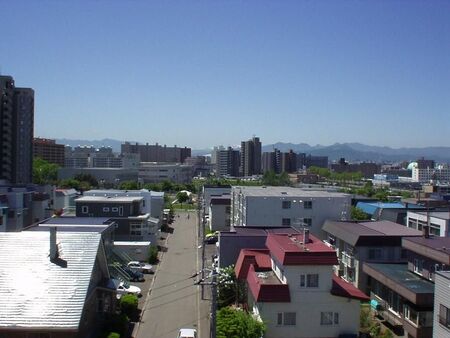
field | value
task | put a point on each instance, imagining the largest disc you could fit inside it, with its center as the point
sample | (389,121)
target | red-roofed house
(292,288)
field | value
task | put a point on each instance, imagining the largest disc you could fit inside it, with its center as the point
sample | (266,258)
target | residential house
(403,293)
(359,242)
(55,285)
(293,290)
(441,322)
(439,221)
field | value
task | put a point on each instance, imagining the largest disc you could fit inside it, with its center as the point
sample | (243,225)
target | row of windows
(85,209)
(290,318)
(288,204)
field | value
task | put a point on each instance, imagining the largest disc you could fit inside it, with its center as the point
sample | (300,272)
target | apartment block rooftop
(286,191)
(110,199)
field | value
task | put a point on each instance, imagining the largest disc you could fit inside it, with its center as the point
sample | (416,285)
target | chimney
(305,236)
(426,231)
(53,246)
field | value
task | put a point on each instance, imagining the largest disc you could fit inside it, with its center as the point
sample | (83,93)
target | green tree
(44,172)
(182,197)
(236,323)
(129,185)
(91,180)
(359,215)
(69,183)
(230,289)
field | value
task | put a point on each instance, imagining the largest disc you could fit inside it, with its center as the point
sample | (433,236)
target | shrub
(129,305)
(153,254)
(117,323)
(113,335)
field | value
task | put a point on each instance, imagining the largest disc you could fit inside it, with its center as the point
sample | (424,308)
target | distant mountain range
(350,151)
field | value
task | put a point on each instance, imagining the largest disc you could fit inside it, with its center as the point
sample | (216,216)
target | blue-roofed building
(388,211)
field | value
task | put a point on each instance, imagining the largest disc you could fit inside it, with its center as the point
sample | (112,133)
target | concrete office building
(250,157)
(49,150)
(439,221)
(286,206)
(227,162)
(16,132)
(156,152)
(305,161)
(151,172)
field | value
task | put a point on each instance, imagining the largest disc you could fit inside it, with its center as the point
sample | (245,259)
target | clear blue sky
(203,73)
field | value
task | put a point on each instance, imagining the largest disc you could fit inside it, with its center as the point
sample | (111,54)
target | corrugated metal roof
(36,293)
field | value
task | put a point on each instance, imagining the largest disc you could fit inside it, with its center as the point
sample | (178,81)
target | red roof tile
(342,288)
(263,292)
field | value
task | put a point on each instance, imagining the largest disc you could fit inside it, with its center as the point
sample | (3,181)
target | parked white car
(142,267)
(187,333)
(124,289)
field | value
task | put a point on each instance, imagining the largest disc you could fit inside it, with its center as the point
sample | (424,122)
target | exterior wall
(438,227)
(49,150)
(219,218)
(230,246)
(441,297)
(268,211)
(208,192)
(136,252)
(311,301)
(153,173)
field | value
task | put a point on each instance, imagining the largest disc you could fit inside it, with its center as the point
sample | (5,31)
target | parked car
(187,333)
(142,267)
(135,276)
(125,288)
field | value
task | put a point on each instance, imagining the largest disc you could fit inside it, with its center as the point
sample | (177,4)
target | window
(84,209)
(309,281)
(286,221)
(114,209)
(286,204)
(418,265)
(307,221)
(329,318)
(326,318)
(287,318)
(105,209)
(444,316)
(307,204)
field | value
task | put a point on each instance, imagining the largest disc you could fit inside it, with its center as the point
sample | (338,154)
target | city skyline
(218,73)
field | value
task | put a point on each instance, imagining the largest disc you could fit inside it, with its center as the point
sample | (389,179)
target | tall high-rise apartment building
(251,157)
(227,162)
(16,132)
(49,150)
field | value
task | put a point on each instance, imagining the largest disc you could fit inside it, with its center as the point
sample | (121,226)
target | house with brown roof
(293,290)
(358,242)
(403,294)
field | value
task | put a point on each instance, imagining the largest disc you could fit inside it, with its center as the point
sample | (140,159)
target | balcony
(348,260)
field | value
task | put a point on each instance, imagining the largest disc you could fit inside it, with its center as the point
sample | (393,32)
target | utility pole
(213,304)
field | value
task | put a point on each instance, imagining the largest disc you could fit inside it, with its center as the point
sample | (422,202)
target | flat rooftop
(109,199)
(400,274)
(286,192)
(258,231)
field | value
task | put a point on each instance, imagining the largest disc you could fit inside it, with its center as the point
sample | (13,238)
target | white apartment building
(439,174)
(293,290)
(439,221)
(286,206)
(153,172)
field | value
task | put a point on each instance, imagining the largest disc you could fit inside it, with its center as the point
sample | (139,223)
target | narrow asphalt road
(174,301)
